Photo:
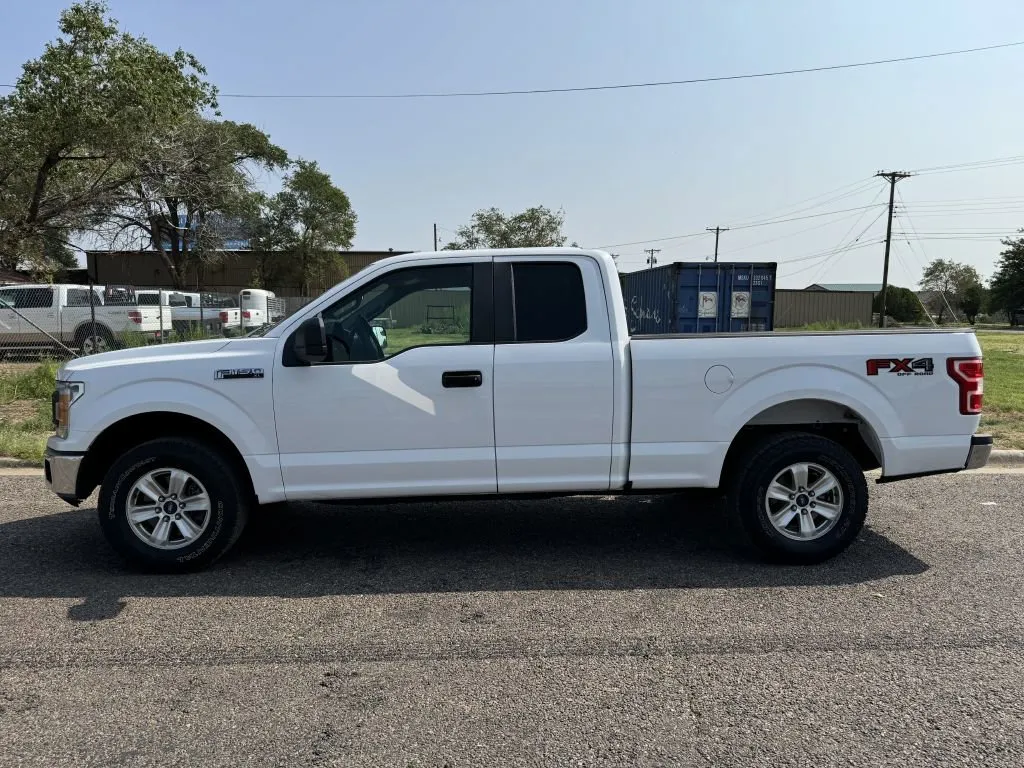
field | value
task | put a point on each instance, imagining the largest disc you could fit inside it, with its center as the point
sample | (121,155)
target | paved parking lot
(579,632)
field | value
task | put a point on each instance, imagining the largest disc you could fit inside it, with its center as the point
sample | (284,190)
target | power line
(792,234)
(615,86)
(744,226)
(650,256)
(859,186)
(977,164)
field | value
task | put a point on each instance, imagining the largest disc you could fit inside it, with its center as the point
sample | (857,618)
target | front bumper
(981,449)
(61,471)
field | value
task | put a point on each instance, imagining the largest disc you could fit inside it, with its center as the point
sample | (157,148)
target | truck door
(414,419)
(553,375)
(39,309)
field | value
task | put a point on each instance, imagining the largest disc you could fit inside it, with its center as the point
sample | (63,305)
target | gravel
(578,632)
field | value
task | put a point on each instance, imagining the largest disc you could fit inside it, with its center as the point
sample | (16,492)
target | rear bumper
(977,457)
(61,472)
(981,449)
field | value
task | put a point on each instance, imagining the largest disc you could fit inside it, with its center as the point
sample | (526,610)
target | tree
(192,192)
(949,280)
(490,228)
(971,301)
(1007,287)
(79,118)
(300,231)
(901,304)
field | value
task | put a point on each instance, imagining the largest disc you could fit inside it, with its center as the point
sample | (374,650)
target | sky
(638,166)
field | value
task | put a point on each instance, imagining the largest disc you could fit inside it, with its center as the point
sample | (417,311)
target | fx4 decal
(239,373)
(908,366)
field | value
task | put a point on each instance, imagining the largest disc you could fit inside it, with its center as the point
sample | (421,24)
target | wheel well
(84,329)
(817,417)
(133,431)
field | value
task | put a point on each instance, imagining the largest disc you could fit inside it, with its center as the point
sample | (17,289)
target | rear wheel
(90,343)
(800,498)
(172,505)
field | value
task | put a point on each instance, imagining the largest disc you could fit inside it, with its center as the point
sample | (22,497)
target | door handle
(454,379)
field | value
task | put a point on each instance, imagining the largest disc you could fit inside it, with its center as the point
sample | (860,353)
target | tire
(774,464)
(87,344)
(192,540)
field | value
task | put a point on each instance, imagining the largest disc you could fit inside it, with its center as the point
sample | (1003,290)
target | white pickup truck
(534,386)
(45,318)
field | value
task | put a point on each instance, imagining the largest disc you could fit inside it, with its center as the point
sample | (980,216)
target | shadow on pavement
(666,542)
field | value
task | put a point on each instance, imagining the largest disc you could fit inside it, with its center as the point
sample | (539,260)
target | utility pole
(892,177)
(717,231)
(651,261)
(435,237)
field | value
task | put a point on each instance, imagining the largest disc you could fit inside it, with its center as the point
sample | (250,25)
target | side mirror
(311,341)
(382,336)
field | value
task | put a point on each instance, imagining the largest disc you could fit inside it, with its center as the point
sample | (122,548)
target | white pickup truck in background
(251,309)
(532,385)
(47,318)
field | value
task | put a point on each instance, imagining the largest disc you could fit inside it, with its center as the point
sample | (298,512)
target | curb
(8,463)
(1006,457)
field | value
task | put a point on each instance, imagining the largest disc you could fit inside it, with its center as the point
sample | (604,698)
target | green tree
(299,233)
(949,281)
(971,301)
(1007,286)
(192,193)
(490,228)
(901,304)
(77,122)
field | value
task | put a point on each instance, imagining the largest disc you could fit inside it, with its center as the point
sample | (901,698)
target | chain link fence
(61,321)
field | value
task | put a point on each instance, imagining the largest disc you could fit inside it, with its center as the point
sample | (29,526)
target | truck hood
(155,353)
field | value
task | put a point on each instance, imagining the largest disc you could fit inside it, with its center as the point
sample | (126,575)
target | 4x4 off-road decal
(239,373)
(907,366)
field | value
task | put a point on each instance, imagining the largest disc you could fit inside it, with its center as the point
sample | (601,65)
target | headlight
(66,394)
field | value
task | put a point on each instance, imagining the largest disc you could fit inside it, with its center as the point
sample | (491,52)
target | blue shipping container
(700,297)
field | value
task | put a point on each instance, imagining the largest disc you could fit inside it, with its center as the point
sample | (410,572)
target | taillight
(969,374)
(246,314)
(135,315)
(223,317)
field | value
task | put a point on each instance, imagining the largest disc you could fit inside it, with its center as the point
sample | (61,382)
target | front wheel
(172,505)
(801,498)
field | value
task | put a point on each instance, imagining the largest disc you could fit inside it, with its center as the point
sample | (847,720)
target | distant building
(846,287)
(230,274)
(7,277)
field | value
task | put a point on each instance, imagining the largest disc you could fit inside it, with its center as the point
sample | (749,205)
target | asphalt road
(574,633)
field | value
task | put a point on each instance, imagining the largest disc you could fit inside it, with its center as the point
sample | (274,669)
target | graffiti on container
(641,313)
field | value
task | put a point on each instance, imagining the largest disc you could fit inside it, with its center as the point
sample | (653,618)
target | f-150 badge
(239,373)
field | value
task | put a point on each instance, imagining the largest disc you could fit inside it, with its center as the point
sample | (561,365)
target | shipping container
(700,297)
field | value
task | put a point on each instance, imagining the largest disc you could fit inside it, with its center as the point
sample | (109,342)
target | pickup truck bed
(505,373)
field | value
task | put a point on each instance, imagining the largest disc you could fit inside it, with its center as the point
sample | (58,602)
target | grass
(25,418)
(1003,414)
(403,338)
(25,391)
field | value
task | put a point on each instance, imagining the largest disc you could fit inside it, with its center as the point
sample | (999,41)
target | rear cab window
(549,302)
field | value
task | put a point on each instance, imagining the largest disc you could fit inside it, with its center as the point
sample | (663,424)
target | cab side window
(33,298)
(415,307)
